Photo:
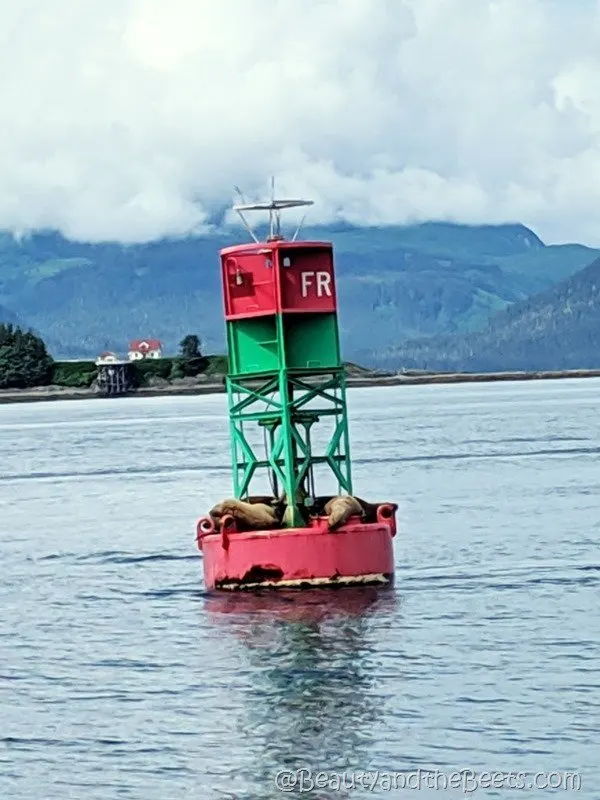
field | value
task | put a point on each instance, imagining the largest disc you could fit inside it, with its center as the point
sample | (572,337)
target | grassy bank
(83,374)
(213,383)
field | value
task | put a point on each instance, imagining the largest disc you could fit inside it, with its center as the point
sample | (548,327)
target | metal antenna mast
(274,207)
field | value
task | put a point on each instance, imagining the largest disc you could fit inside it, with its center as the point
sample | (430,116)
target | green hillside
(394,284)
(557,329)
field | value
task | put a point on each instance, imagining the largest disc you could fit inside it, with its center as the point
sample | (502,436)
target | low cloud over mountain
(133,119)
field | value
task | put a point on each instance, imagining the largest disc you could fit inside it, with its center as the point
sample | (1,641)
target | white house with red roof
(144,348)
(108,358)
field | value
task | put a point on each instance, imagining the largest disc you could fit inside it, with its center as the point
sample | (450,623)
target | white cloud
(133,119)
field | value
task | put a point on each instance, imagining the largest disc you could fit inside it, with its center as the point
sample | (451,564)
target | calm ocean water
(120,678)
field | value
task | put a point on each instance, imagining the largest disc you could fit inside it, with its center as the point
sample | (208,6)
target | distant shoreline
(46,393)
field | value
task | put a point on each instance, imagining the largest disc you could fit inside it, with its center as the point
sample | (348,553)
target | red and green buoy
(286,376)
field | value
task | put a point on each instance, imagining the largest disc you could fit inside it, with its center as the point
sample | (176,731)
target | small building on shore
(108,358)
(113,374)
(144,348)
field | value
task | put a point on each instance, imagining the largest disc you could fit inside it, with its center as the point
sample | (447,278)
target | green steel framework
(279,400)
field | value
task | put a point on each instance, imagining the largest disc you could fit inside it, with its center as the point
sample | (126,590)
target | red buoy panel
(278,277)
(249,286)
(307,279)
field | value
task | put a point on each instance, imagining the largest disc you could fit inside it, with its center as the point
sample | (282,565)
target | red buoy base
(357,553)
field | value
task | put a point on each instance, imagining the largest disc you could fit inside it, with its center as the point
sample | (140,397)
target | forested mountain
(554,330)
(394,284)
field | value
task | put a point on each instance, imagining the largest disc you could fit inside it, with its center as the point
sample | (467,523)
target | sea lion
(370,509)
(267,499)
(340,509)
(248,516)
(317,508)
(278,504)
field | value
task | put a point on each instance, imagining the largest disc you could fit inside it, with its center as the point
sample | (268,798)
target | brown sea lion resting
(261,512)
(339,509)
(370,509)
(249,516)
(267,499)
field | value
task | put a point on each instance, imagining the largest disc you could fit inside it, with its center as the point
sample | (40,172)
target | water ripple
(120,676)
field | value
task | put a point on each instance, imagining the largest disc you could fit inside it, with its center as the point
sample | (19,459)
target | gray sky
(131,119)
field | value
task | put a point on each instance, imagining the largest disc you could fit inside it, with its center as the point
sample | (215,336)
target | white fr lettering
(323,285)
(305,278)
(323,281)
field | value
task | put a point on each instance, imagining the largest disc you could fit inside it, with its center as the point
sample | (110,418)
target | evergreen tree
(190,362)
(24,360)
(189,347)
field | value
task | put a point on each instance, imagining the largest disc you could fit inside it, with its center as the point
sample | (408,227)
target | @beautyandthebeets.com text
(466,780)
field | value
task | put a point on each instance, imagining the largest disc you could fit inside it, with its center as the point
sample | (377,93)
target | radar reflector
(274,207)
